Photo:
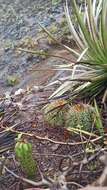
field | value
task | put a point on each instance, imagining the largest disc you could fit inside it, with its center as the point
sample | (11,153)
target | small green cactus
(12,80)
(23,151)
(80,115)
(54,113)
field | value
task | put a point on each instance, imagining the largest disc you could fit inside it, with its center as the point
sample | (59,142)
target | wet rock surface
(18,24)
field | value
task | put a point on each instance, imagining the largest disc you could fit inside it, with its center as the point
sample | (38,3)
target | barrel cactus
(54,113)
(23,151)
(80,115)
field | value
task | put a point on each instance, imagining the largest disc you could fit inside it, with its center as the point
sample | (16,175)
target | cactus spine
(54,112)
(82,115)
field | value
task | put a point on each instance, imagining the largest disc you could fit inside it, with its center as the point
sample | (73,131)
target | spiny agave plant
(88,76)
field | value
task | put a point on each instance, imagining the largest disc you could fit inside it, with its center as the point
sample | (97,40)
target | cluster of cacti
(69,116)
(23,151)
(80,115)
(54,113)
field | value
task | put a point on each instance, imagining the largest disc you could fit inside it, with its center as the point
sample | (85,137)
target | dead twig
(41,183)
(51,140)
(45,54)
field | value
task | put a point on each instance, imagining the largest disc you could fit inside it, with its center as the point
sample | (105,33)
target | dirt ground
(54,148)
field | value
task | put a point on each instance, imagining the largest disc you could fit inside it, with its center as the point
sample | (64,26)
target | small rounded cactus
(54,113)
(80,115)
(23,151)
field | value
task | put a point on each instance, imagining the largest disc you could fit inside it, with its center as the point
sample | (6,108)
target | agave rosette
(89,75)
